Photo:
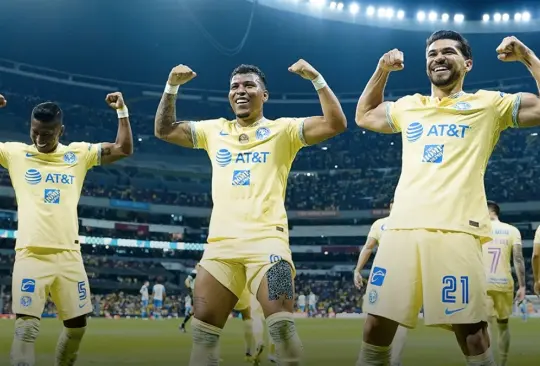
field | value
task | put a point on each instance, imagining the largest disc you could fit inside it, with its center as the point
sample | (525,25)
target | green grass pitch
(327,342)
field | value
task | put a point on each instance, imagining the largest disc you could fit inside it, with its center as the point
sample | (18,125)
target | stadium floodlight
(389,13)
(445,17)
(340,6)
(517,17)
(497,17)
(381,12)
(354,8)
(317,3)
(400,14)
(485,17)
(525,16)
(432,16)
(370,11)
(458,18)
(505,17)
(420,16)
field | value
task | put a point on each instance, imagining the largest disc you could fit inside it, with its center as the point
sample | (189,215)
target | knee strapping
(283,332)
(205,334)
(26,329)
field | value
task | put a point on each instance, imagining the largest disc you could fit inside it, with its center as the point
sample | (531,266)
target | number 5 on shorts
(82,290)
(450,287)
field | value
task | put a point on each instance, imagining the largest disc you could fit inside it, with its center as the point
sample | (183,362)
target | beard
(443,81)
(244,114)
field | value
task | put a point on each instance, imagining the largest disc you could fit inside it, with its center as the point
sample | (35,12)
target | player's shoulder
(410,100)
(489,95)
(17,146)
(379,223)
(214,123)
(77,147)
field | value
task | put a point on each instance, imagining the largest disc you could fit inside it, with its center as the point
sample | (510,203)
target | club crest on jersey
(243,138)
(26,301)
(414,131)
(241,178)
(433,154)
(462,106)
(373,296)
(262,133)
(51,196)
(32,176)
(70,158)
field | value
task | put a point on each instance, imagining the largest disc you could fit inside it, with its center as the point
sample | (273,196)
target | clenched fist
(392,61)
(304,69)
(3,101)
(512,49)
(180,75)
(115,100)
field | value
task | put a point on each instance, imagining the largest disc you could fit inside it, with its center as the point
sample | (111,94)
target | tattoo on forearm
(166,114)
(519,264)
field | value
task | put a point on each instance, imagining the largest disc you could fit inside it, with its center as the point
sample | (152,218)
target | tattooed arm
(165,125)
(519,265)
(123,146)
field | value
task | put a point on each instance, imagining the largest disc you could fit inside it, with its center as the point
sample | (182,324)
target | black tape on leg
(280,281)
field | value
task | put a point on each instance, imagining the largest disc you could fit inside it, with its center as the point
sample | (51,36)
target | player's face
(247,95)
(45,136)
(445,64)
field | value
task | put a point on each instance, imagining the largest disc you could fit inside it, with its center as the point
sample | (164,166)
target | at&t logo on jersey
(433,154)
(241,178)
(28,285)
(415,130)
(224,157)
(51,196)
(32,176)
(377,276)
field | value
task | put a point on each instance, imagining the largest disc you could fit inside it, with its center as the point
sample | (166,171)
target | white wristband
(319,82)
(171,89)
(122,113)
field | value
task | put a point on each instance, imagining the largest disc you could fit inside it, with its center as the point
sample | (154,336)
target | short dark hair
(250,69)
(464,45)
(47,112)
(493,206)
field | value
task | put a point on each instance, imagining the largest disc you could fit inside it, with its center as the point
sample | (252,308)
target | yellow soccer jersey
(536,240)
(497,256)
(377,229)
(250,167)
(446,147)
(48,188)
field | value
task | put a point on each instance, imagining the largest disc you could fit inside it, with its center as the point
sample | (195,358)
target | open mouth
(440,69)
(242,101)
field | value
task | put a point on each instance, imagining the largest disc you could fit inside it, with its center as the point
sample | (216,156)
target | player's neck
(249,121)
(445,93)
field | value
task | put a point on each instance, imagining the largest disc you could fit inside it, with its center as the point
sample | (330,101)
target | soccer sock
(186,319)
(503,343)
(485,359)
(205,348)
(258,331)
(371,355)
(248,335)
(397,346)
(67,347)
(288,345)
(22,349)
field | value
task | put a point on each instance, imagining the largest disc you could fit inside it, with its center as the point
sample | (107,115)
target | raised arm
(363,258)
(512,49)
(333,121)
(123,146)
(371,111)
(166,127)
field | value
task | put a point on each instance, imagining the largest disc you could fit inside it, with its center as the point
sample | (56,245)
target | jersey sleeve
(516,236)
(375,231)
(200,131)
(90,154)
(507,106)
(537,236)
(4,155)
(393,111)
(295,131)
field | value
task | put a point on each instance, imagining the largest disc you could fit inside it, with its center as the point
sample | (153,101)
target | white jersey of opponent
(144,292)
(302,300)
(191,278)
(158,292)
(187,301)
(312,299)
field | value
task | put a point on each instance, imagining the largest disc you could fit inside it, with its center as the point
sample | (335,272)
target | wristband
(171,89)
(122,113)
(319,82)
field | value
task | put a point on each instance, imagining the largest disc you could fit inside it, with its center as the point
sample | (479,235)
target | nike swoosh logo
(29,155)
(82,305)
(450,312)
(222,133)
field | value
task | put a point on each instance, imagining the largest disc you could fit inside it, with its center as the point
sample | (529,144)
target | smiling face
(45,136)
(247,94)
(445,64)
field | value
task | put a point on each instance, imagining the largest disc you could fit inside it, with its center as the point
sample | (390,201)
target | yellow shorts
(443,271)
(500,304)
(242,264)
(39,273)
(243,301)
